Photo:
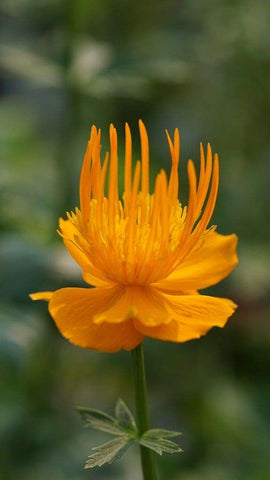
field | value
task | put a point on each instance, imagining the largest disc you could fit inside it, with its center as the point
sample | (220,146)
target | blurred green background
(202,66)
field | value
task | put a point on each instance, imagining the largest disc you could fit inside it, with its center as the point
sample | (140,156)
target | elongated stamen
(208,212)
(113,180)
(202,225)
(175,153)
(85,183)
(128,165)
(145,171)
(201,180)
(100,197)
(205,175)
(164,213)
(96,167)
(133,213)
(145,158)
(142,237)
(154,223)
(189,219)
(192,179)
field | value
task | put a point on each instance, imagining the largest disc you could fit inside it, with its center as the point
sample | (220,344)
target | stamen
(201,180)
(191,201)
(131,224)
(208,212)
(209,209)
(128,165)
(154,223)
(164,214)
(113,180)
(141,237)
(175,153)
(179,252)
(96,168)
(145,158)
(85,183)
(204,185)
(100,198)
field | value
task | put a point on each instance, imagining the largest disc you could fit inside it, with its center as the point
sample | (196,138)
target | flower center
(138,249)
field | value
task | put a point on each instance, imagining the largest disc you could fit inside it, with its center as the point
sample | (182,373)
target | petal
(94,280)
(144,303)
(41,296)
(206,266)
(71,237)
(73,310)
(191,317)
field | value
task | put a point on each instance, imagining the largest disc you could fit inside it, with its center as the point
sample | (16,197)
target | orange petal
(41,296)
(71,235)
(191,317)
(144,303)
(94,280)
(73,310)
(206,266)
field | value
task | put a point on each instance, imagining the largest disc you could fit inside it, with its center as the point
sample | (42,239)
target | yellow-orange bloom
(146,254)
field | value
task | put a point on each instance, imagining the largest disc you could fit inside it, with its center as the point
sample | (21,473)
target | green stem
(148,468)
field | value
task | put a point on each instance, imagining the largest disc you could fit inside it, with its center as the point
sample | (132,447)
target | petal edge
(206,266)
(191,317)
(73,310)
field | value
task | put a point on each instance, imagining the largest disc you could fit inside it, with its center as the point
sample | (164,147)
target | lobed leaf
(152,439)
(161,432)
(108,452)
(125,430)
(99,420)
(124,416)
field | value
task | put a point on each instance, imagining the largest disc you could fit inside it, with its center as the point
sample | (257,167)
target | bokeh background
(202,66)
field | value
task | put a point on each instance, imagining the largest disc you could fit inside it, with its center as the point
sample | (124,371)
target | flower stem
(148,468)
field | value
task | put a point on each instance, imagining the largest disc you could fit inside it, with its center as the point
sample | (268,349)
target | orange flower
(146,255)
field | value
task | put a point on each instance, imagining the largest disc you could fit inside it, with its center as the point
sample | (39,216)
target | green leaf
(152,439)
(124,416)
(99,420)
(161,432)
(108,452)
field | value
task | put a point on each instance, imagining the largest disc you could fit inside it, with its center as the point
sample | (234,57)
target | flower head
(145,253)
